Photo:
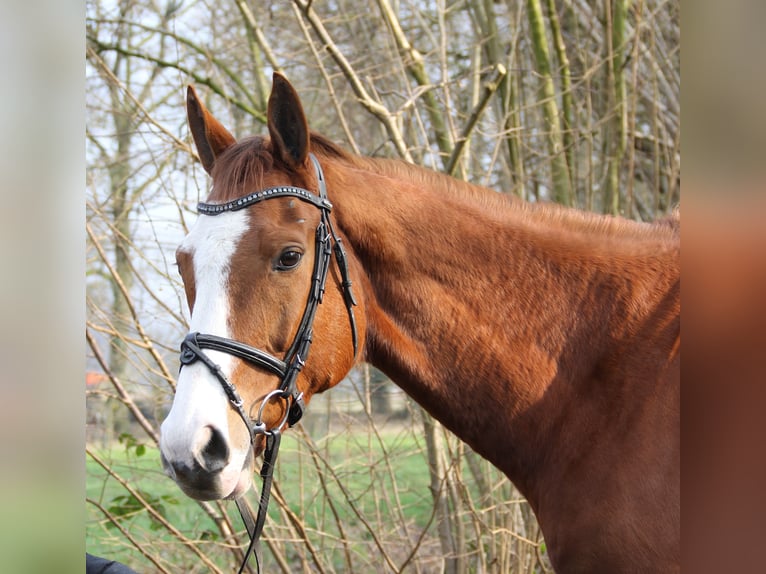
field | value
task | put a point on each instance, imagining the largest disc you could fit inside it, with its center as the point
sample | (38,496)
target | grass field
(353,489)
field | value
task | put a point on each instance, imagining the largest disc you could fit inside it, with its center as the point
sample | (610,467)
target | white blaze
(200,399)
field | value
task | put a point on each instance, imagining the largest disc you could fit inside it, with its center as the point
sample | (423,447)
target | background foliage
(553,100)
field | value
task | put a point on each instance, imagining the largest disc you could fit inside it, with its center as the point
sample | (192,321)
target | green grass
(143,473)
(384,501)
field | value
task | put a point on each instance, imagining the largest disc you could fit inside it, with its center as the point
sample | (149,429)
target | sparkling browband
(279,191)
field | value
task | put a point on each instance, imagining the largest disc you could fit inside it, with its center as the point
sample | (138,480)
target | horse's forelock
(241,168)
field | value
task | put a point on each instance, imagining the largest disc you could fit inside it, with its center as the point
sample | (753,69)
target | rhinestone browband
(279,191)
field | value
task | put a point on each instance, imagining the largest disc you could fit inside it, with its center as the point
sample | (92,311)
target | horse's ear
(210,137)
(288,128)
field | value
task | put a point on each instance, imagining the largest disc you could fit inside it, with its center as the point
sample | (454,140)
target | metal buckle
(259,427)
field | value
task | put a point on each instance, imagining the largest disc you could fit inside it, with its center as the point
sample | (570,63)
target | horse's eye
(288,260)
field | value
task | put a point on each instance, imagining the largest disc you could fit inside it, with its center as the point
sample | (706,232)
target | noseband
(287,369)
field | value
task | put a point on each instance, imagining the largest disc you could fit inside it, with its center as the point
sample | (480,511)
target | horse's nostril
(213,455)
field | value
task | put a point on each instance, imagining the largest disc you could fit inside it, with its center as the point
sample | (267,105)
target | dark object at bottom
(96,565)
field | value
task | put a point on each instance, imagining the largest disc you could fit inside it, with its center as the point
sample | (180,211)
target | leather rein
(287,369)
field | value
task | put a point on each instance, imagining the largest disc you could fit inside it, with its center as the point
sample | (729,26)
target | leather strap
(191,352)
(255,527)
(232,347)
(248,200)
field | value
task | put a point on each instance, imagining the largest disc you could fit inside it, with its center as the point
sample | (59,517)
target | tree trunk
(617,125)
(562,189)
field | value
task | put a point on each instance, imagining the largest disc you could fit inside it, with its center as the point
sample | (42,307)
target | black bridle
(287,369)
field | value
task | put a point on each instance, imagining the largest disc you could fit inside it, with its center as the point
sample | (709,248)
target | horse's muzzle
(209,473)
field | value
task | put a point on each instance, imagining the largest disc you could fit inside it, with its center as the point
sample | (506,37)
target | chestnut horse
(546,338)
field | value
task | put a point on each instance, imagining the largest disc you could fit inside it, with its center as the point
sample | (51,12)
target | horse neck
(493,315)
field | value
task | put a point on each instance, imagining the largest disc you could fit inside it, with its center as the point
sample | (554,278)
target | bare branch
(490,87)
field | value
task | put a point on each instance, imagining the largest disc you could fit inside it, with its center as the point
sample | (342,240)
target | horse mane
(239,170)
(536,214)
(421,176)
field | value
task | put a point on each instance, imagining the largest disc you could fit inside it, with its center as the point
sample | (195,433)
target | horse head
(252,267)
